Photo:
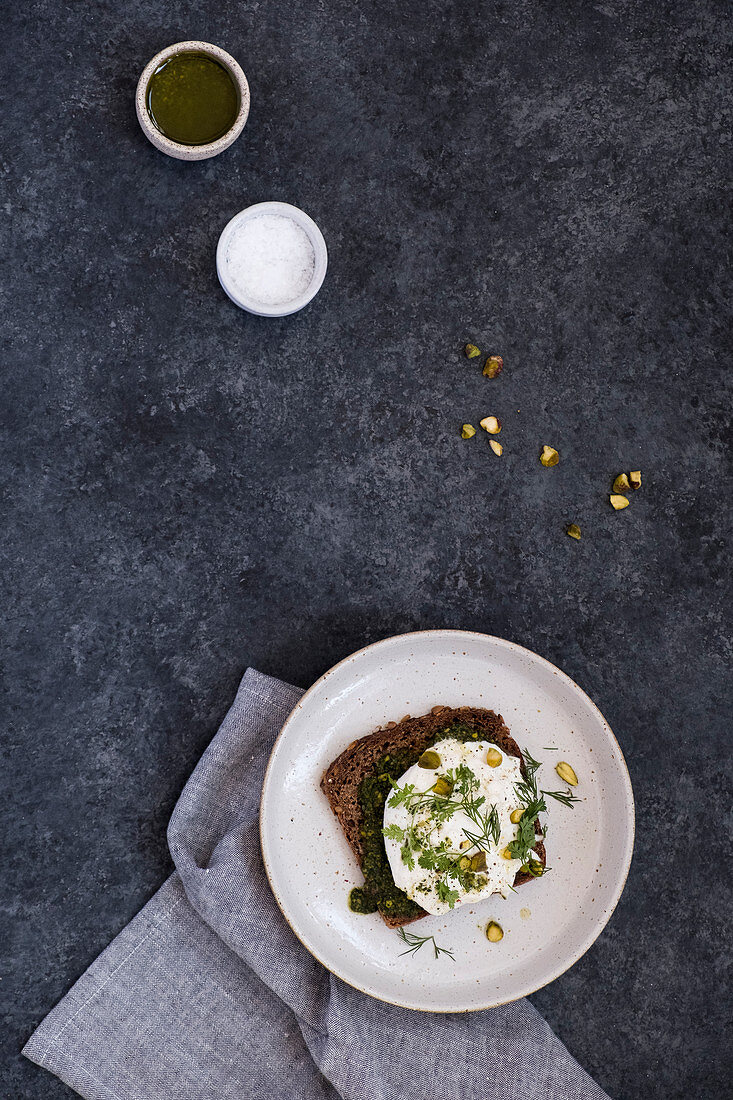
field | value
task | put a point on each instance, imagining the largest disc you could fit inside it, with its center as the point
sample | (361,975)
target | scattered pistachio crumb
(618,502)
(494,365)
(574,531)
(467,431)
(496,447)
(494,932)
(430,760)
(566,773)
(621,484)
(472,352)
(491,424)
(635,479)
(549,456)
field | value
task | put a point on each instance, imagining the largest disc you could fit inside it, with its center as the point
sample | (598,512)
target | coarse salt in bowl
(271,259)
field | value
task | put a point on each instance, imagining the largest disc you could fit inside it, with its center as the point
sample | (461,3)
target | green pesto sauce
(192,99)
(379,891)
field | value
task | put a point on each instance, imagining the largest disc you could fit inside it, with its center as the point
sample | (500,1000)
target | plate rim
(629,790)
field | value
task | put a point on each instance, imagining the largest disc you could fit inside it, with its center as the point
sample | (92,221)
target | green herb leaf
(566,797)
(415,942)
(522,845)
(526,790)
(432,859)
(444,892)
(402,795)
(494,827)
(488,827)
(466,780)
(407,857)
(531,765)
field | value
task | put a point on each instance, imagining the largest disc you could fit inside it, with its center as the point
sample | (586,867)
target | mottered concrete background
(189,490)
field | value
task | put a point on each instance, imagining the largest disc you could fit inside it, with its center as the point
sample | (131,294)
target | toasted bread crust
(341,780)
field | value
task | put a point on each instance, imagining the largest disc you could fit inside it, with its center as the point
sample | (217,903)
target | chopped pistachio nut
(621,484)
(516,816)
(566,773)
(429,759)
(635,479)
(443,786)
(465,863)
(496,447)
(478,861)
(506,854)
(574,531)
(549,456)
(494,365)
(464,844)
(472,352)
(468,430)
(494,932)
(491,424)
(493,758)
(618,502)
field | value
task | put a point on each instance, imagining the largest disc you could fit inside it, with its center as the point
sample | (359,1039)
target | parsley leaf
(407,857)
(402,795)
(445,893)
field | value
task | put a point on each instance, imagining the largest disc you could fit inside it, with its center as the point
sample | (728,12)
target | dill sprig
(531,764)
(526,789)
(566,797)
(534,804)
(415,942)
(526,837)
(437,805)
(488,826)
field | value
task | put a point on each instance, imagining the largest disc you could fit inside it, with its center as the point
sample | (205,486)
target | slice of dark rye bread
(340,782)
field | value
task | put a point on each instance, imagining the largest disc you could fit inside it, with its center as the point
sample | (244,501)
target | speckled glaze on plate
(548,924)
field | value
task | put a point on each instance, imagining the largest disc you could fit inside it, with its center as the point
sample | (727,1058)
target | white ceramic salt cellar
(271,259)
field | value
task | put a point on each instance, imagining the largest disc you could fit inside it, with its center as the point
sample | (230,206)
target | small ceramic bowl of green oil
(192,100)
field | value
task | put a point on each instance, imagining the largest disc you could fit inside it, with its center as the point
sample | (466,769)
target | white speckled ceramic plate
(548,924)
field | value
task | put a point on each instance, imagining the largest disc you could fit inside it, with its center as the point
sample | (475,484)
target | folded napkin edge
(270,690)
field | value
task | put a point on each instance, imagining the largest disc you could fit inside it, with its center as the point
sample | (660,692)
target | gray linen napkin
(208,995)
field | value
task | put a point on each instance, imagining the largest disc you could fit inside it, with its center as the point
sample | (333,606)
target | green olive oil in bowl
(192,99)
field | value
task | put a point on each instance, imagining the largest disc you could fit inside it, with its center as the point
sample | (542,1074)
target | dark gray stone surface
(189,490)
